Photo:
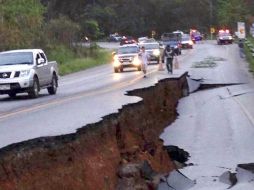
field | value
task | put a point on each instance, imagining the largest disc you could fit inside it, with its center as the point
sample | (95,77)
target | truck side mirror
(40,61)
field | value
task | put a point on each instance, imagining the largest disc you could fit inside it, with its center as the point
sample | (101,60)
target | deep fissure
(94,156)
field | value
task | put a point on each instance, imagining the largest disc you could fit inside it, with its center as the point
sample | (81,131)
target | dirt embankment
(90,159)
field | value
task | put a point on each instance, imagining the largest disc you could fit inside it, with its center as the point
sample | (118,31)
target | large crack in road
(243,173)
(121,151)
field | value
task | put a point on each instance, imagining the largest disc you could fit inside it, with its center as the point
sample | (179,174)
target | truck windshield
(16,58)
(126,50)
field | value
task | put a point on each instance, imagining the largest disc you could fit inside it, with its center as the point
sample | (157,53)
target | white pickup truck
(27,70)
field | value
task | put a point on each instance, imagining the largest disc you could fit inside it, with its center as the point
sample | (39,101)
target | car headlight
(136,61)
(116,63)
(156,52)
(190,42)
(230,37)
(115,58)
(24,73)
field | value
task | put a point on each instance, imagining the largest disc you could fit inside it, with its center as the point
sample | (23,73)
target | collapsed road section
(122,151)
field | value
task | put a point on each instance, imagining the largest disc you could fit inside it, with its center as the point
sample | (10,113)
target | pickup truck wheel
(12,94)
(53,88)
(34,91)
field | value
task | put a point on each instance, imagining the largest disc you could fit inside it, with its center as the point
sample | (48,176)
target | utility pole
(211,15)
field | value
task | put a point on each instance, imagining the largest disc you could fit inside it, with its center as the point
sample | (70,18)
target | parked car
(224,37)
(27,70)
(127,40)
(115,37)
(126,56)
(153,49)
(186,42)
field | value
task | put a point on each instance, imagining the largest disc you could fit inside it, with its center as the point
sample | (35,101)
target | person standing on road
(168,57)
(144,59)
(241,46)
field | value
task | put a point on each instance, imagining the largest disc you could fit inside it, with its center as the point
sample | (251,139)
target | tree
(90,29)
(21,23)
(63,31)
(230,12)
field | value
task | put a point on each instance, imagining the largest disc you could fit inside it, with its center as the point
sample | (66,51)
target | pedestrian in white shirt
(144,59)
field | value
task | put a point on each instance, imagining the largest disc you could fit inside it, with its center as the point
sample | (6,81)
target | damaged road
(215,125)
(208,141)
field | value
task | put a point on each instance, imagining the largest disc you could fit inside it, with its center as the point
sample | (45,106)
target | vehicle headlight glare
(115,58)
(116,63)
(156,52)
(136,61)
(24,73)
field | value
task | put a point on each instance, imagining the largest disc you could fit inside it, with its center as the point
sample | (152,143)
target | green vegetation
(55,25)
(78,58)
(248,46)
(78,64)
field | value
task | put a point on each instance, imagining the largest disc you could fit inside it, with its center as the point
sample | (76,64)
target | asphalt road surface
(215,126)
(82,98)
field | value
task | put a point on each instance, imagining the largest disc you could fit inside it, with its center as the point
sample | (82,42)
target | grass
(78,58)
(78,64)
(248,54)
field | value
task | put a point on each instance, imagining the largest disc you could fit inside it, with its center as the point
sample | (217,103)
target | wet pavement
(216,126)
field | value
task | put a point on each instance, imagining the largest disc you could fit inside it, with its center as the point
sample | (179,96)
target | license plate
(126,63)
(5,87)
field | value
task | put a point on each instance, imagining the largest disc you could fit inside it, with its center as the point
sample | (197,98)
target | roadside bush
(78,64)
(91,51)
(248,54)
(60,53)
(77,58)
(63,30)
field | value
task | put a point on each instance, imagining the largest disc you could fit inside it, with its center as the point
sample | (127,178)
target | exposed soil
(90,159)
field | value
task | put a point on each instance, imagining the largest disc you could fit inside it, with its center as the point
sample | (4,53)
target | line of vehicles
(127,54)
(28,70)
